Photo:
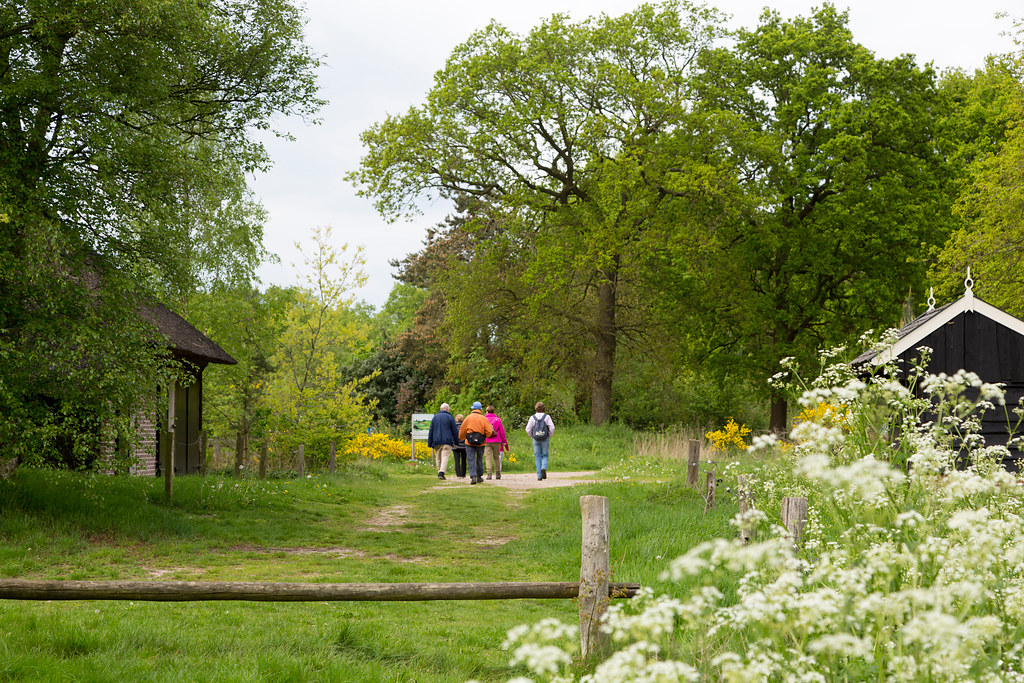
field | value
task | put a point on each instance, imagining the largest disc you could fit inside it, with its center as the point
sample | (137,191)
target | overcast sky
(380,57)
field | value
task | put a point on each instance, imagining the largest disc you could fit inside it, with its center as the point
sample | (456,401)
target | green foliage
(248,324)
(843,192)
(682,395)
(308,398)
(400,371)
(567,137)
(991,204)
(127,133)
(399,311)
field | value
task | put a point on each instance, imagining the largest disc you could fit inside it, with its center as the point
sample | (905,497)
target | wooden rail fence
(186,591)
(593,590)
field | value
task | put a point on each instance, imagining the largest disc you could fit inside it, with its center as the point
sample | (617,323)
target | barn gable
(973,335)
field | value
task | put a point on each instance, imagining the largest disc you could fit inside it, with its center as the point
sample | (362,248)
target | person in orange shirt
(475,431)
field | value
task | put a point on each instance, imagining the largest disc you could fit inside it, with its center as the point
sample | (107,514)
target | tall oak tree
(562,131)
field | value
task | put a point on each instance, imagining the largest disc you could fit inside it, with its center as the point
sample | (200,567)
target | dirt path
(525,481)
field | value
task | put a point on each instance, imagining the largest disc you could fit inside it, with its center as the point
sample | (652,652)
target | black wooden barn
(968,334)
(196,350)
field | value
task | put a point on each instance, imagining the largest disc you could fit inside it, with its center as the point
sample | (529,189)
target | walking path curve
(524,481)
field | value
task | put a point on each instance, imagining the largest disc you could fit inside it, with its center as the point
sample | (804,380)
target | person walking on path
(495,445)
(459,451)
(442,437)
(540,428)
(475,431)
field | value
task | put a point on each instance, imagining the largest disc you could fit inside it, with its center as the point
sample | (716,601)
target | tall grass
(670,444)
(576,447)
(60,525)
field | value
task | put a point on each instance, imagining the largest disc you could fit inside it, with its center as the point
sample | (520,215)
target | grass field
(367,523)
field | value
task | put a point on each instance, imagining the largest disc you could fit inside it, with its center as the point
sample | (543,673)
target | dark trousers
(475,454)
(460,461)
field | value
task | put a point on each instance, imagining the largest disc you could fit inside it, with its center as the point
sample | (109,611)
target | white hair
(445,407)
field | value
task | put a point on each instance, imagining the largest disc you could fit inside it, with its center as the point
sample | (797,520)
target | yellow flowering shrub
(729,437)
(384,447)
(825,414)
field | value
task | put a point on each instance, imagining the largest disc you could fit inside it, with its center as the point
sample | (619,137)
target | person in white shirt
(540,428)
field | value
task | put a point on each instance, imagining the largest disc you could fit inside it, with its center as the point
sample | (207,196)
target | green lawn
(368,523)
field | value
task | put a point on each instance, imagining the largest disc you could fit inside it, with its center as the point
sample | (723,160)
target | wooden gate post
(594,573)
(168,461)
(693,462)
(794,517)
(202,452)
(239,455)
(332,465)
(745,496)
(302,459)
(709,491)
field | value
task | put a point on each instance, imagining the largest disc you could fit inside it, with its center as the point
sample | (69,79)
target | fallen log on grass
(184,591)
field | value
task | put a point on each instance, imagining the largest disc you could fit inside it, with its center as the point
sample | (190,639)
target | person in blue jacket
(442,437)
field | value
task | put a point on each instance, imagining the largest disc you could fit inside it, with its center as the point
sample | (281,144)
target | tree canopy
(125,133)
(845,190)
(990,237)
(641,183)
(560,132)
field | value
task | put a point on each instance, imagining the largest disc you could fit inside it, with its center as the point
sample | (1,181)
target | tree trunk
(604,365)
(778,422)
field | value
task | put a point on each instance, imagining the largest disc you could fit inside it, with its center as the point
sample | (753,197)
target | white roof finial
(931,298)
(969,290)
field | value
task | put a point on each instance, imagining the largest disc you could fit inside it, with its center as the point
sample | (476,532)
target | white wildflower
(543,660)
(637,663)
(844,644)
(761,441)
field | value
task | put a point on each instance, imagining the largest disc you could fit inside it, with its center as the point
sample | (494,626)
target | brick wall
(145,452)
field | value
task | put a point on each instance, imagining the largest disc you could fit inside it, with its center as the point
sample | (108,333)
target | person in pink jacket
(495,445)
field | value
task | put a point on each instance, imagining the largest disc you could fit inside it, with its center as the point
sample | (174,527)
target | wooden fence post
(168,461)
(202,452)
(693,462)
(7,467)
(794,517)
(239,455)
(745,496)
(332,464)
(263,461)
(302,459)
(709,491)
(594,572)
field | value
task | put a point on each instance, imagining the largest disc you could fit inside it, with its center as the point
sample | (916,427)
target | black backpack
(540,428)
